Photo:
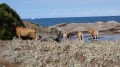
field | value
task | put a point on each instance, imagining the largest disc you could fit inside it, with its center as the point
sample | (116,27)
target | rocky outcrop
(44,33)
(101,26)
(50,34)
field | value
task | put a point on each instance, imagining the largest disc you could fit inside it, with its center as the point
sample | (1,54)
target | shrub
(8,19)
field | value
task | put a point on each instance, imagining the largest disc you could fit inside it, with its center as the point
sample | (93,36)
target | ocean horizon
(53,21)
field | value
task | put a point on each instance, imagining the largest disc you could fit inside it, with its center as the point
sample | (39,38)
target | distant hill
(8,19)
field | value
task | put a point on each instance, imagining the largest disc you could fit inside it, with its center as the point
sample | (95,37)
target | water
(53,21)
(88,38)
(104,37)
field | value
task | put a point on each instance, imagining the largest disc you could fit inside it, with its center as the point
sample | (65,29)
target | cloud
(99,13)
(109,12)
(54,12)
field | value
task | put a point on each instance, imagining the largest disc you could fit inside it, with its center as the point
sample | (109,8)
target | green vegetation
(8,19)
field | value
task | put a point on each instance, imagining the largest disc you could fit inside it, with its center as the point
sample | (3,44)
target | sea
(54,21)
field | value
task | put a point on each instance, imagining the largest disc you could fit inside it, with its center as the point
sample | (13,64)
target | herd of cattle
(33,33)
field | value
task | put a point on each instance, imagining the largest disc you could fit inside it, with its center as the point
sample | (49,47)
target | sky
(64,8)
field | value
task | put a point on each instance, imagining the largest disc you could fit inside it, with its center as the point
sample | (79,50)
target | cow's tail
(36,33)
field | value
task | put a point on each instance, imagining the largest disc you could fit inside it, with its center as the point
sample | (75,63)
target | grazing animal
(94,33)
(68,35)
(25,32)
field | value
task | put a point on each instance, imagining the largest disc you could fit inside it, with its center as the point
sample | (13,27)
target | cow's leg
(32,35)
(81,37)
(95,37)
(78,37)
(65,38)
(36,34)
(19,36)
(69,37)
(92,37)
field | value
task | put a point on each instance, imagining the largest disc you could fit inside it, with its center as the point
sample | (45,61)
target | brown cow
(68,35)
(25,32)
(94,33)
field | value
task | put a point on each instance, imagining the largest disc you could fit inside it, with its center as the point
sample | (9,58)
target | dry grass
(26,53)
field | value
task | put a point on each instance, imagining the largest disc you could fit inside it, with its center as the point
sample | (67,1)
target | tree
(8,19)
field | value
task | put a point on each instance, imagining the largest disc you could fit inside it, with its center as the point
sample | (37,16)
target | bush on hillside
(8,19)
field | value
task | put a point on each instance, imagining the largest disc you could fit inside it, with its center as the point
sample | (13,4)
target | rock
(114,30)
(32,25)
(114,22)
(44,33)
(99,22)
(58,25)
(51,34)
(101,26)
